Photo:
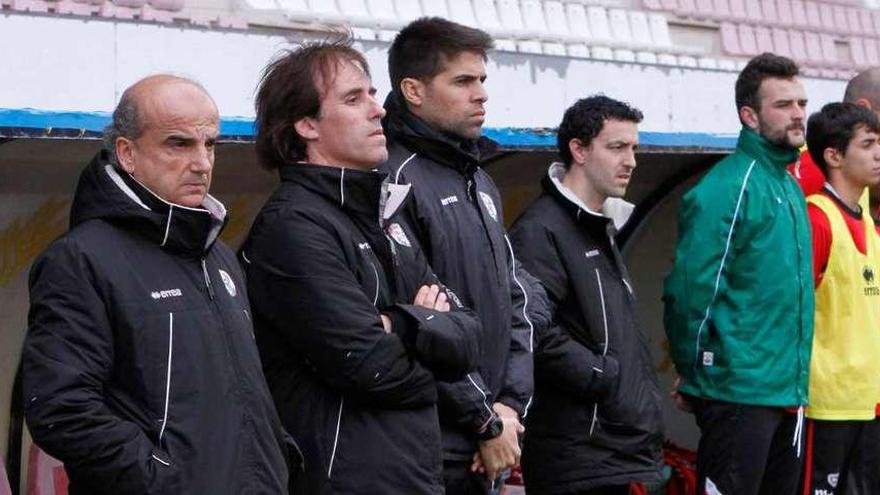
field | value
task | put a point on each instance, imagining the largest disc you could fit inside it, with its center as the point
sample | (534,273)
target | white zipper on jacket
(207,279)
(604,345)
(336,437)
(167,376)
(376,274)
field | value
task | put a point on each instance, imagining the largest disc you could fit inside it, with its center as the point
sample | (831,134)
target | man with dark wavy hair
(596,391)
(353,328)
(739,302)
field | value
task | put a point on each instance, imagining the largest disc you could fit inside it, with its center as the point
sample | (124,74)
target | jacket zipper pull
(470,192)
(207,279)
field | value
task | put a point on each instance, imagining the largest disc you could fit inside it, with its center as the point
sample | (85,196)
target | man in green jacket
(739,300)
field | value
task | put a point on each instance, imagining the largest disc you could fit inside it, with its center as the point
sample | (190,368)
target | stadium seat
(169,5)
(670,5)
(150,14)
(231,22)
(799,14)
(753,11)
(510,16)
(687,8)
(707,63)
(35,6)
(641,32)
(602,53)
(867,22)
(721,8)
(268,4)
(840,21)
(578,22)
(747,41)
(652,4)
(814,47)
(726,64)
(875,16)
(730,39)
(644,57)
(408,10)
(783,9)
(781,44)
(705,8)
(72,7)
(857,52)
(829,52)
(687,61)
(770,12)
(660,30)
(556,21)
(45,474)
(533,17)
(599,26)
(624,55)
(487,15)
(871,53)
(764,39)
(814,20)
(382,11)
(798,45)
(738,10)
(667,59)
(826,14)
(619,23)
(853,16)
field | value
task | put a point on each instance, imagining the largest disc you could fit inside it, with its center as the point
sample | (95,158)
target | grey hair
(126,123)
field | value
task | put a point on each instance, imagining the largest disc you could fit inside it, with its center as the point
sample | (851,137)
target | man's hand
(432,298)
(677,398)
(501,452)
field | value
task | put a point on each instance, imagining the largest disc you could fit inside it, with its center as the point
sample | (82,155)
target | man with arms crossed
(596,394)
(435,114)
(351,325)
(739,300)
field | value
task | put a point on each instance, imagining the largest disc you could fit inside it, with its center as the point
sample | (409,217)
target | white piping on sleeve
(336,438)
(485,397)
(161,460)
(376,273)
(400,168)
(167,224)
(742,191)
(167,375)
(342,187)
(798,431)
(524,312)
(604,345)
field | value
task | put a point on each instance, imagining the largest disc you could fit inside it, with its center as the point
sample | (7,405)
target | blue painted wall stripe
(38,123)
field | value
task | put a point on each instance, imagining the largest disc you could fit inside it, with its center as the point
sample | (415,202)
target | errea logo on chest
(165,294)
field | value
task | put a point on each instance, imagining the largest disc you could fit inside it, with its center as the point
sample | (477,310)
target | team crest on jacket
(490,205)
(227,281)
(396,232)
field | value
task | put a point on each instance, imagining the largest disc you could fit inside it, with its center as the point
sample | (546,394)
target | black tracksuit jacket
(457,217)
(596,418)
(322,264)
(140,371)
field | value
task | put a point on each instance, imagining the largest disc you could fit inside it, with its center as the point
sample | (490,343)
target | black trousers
(842,457)
(746,450)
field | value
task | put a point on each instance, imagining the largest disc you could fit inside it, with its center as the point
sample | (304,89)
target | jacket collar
(757,147)
(106,192)
(463,155)
(367,195)
(615,209)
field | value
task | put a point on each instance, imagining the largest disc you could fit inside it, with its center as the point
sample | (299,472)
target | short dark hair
(421,49)
(584,121)
(289,91)
(764,66)
(834,127)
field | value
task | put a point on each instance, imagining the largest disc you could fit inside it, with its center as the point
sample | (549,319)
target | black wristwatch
(492,430)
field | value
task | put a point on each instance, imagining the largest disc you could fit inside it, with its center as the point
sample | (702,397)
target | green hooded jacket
(739,300)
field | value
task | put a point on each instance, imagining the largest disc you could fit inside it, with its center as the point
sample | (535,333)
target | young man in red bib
(844,142)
